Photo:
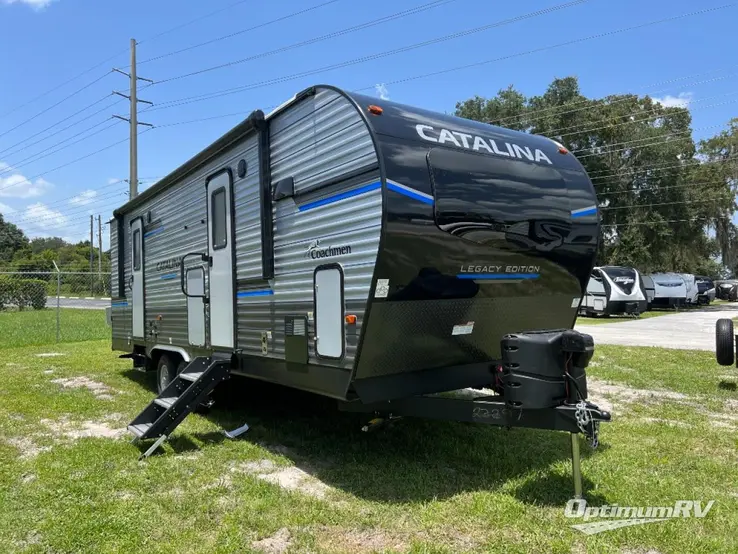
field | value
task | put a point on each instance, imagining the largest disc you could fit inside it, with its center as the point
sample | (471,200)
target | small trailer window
(218,218)
(136,250)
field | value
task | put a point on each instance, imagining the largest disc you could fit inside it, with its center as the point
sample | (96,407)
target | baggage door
(137,279)
(221,248)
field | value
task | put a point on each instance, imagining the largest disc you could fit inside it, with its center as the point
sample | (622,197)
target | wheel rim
(163,377)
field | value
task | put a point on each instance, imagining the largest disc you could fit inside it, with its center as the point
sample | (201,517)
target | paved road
(689,330)
(83,303)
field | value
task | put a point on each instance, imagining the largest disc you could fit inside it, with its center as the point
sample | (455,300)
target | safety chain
(584,419)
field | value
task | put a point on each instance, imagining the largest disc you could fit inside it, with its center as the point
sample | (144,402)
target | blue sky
(48,42)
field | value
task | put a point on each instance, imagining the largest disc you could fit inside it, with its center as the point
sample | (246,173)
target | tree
(12,239)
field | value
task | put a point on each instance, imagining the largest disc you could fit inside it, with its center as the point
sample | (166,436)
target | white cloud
(6,210)
(682,100)
(382,91)
(15,185)
(35,4)
(86,197)
(114,180)
(40,215)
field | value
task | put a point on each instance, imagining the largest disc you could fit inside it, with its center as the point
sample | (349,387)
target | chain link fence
(54,306)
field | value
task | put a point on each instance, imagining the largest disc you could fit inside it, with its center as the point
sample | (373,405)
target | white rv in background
(614,290)
(692,290)
(670,290)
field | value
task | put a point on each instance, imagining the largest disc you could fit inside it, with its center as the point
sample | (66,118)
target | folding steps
(183,395)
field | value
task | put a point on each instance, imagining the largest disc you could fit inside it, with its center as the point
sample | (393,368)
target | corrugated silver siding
(320,139)
(179,227)
(113,227)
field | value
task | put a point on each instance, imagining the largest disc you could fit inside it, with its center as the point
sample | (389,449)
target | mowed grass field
(38,327)
(305,479)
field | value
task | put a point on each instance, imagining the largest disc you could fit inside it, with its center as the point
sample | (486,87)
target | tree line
(666,201)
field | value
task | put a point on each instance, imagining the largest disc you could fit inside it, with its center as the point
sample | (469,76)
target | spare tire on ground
(724,350)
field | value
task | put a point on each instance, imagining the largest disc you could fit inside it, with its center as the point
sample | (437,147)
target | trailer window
(136,250)
(218,218)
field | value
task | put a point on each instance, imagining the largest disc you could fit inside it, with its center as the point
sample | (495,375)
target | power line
(231,35)
(46,153)
(57,123)
(356,61)
(30,179)
(557,112)
(88,85)
(685,164)
(346,31)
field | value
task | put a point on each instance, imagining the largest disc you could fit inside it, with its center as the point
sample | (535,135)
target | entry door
(220,246)
(328,291)
(137,278)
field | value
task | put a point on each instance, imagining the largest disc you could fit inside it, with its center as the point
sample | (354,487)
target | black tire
(724,349)
(166,371)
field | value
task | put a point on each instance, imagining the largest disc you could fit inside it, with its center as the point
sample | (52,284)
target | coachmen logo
(479,144)
(316,251)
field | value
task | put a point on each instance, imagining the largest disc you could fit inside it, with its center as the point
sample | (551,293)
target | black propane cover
(534,365)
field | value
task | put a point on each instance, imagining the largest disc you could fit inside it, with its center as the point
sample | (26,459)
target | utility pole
(99,252)
(92,255)
(133,120)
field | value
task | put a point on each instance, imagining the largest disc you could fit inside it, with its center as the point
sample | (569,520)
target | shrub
(33,293)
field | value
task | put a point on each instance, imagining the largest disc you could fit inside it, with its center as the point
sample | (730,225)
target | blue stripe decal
(169,276)
(153,232)
(119,304)
(410,193)
(498,276)
(245,293)
(591,210)
(341,196)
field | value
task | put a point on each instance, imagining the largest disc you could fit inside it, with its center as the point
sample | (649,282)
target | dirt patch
(620,395)
(661,421)
(278,543)
(28,478)
(339,539)
(32,539)
(290,478)
(27,447)
(100,390)
(78,430)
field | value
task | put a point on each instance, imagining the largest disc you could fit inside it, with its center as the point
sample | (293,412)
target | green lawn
(582,320)
(37,327)
(69,482)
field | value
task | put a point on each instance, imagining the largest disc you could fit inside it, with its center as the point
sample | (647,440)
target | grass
(38,327)
(419,486)
(583,320)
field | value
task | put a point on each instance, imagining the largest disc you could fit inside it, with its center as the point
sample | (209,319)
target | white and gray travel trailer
(614,290)
(692,290)
(648,289)
(670,290)
(354,250)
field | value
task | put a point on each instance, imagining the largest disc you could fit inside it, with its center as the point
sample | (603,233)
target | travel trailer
(358,248)
(648,289)
(690,283)
(614,290)
(670,290)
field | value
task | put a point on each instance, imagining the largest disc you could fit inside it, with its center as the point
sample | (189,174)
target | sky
(63,157)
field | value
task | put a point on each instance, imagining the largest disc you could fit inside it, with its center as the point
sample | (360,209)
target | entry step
(139,429)
(191,376)
(166,402)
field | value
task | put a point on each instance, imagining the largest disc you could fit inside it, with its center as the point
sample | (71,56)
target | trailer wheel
(724,351)
(166,371)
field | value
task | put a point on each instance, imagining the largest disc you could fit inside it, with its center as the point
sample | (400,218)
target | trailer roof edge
(253,121)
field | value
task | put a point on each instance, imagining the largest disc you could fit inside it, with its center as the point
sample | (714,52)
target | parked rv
(670,290)
(351,247)
(648,289)
(692,290)
(614,290)
(706,289)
